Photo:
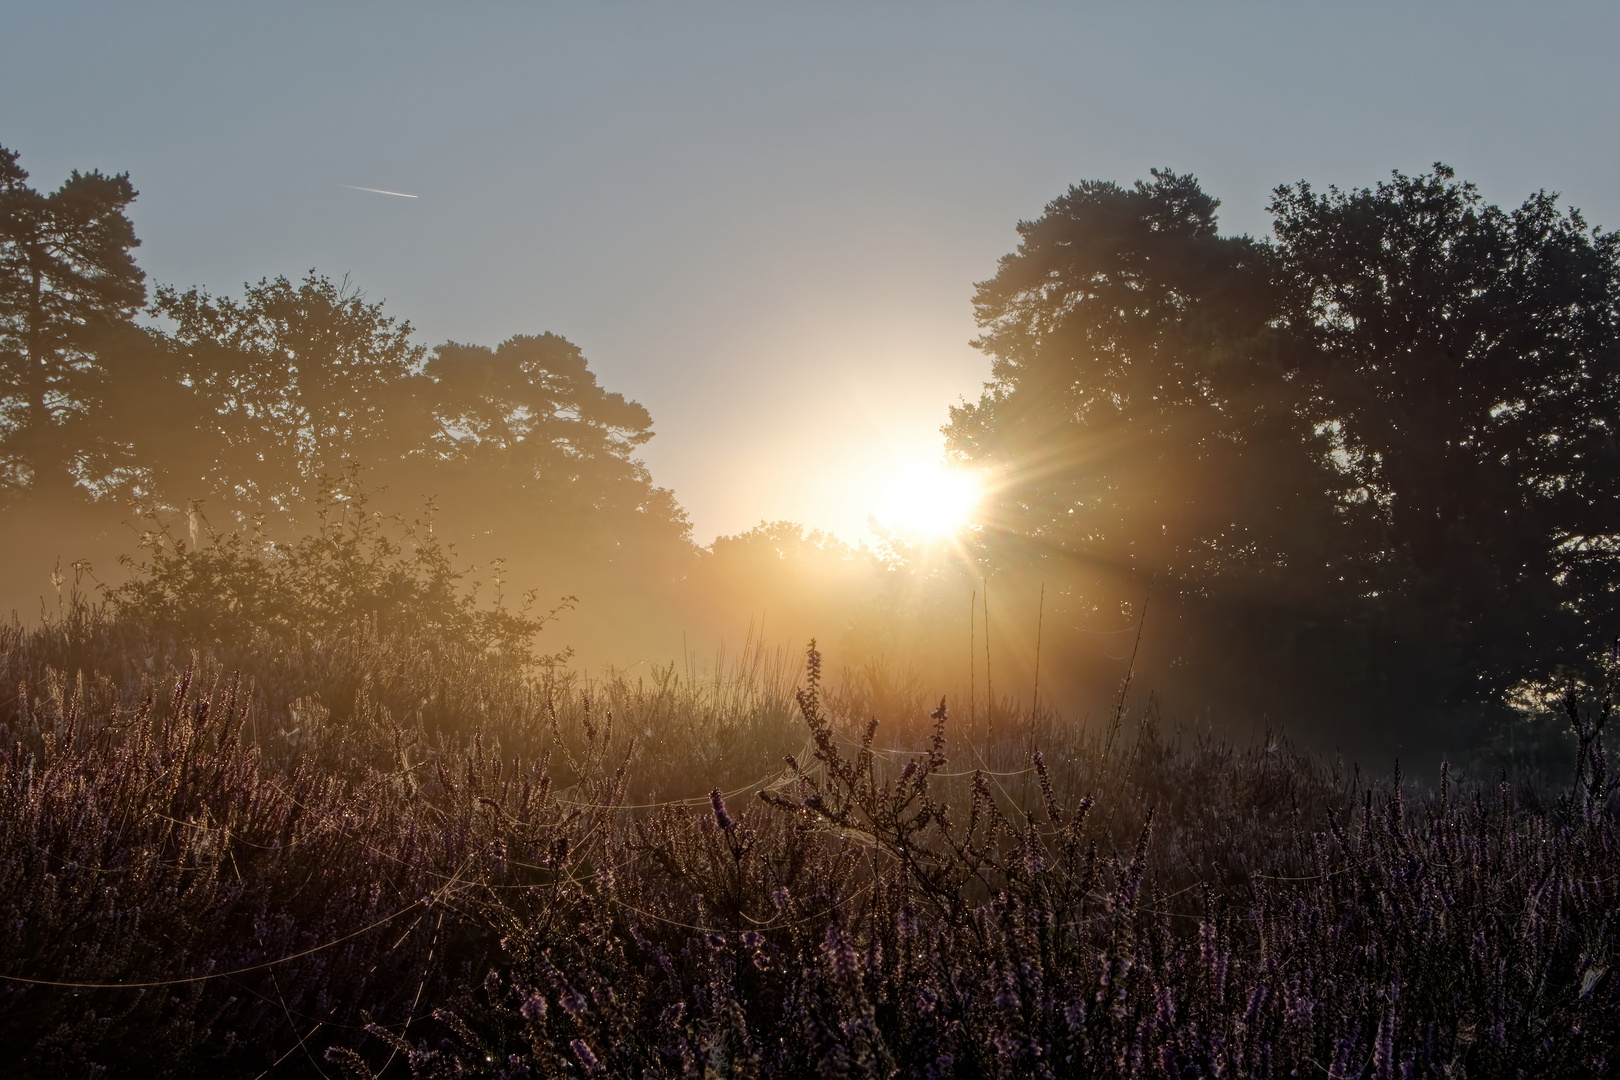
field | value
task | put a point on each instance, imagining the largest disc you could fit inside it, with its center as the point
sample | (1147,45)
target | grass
(366,855)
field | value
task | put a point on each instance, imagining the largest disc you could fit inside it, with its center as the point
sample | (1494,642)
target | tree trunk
(43,445)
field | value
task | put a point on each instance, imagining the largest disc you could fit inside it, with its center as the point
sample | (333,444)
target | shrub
(355,568)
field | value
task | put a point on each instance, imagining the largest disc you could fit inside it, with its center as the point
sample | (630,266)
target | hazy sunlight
(929,501)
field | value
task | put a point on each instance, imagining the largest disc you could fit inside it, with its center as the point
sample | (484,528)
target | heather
(363,855)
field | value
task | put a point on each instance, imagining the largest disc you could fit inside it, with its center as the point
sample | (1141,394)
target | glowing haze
(928,499)
(763,222)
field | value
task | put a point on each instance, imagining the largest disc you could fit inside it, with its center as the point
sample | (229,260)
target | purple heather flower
(1384,1048)
(840,954)
(497,855)
(1007,996)
(586,1057)
(573,1004)
(723,819)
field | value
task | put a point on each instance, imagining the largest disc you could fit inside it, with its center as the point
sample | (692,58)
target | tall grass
(388,856)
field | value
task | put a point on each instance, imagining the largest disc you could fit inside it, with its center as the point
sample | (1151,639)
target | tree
(1466,360)
(292,382)
(520,448)
(69,291)
(1140,419)
(525,427)
(1379,449)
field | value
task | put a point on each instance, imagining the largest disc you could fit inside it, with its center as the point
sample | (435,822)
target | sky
(763,221)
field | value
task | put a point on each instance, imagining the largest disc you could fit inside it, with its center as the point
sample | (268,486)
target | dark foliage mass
(355,568)
(246,406)
(455,869)
(1372,457)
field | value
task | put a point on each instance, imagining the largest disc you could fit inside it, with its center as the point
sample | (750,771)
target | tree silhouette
(69,291)
(1466,361)
(524,427)
(513,453)
(1378,450)
(291,382)
(1139,416)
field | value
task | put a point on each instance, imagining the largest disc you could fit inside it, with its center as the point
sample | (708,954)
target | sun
(929,501)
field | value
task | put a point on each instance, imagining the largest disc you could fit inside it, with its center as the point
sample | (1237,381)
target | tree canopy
(69,292)
(1379,444)
(1466,361)
(289,383)
(1140,415)
(294,381)
(260,406)
(526,424)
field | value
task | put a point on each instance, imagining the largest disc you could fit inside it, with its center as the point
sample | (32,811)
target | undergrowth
(366,854)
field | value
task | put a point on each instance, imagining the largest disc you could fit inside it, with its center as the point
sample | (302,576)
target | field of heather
(361,857)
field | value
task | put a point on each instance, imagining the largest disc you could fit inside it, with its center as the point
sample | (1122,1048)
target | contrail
(380,191)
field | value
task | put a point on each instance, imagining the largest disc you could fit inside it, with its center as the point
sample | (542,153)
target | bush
(356,568)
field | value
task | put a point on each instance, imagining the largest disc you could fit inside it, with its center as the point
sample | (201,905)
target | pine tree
(69,291)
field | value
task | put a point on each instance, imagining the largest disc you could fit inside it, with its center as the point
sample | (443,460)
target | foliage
(349,574)
(1368,461)
(1467,362)
(525,454)
(804,577)
(292,380)
(525,427)
(1138,416)
(69,289)
(227,886)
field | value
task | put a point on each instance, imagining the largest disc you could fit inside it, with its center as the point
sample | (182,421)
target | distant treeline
(1362,475)
(248,402)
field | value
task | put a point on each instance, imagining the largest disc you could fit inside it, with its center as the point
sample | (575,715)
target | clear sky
(763,221)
